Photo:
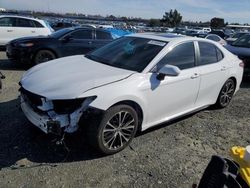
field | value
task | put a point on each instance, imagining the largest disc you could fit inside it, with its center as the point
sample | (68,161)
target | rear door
(7,31)
(25,28)
(80,42)
(214,70)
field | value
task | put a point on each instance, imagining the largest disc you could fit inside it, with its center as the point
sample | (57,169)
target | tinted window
(129,53)
(103,35)
(24,23)
(7,22)
(37,24)
(182,56)
(60,33)
(82,34)
(208,53)
(214,38)
(220,56)
(243,41)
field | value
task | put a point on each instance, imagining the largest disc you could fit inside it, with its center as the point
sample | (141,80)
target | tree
(217,23)
(172,18)
(154,23)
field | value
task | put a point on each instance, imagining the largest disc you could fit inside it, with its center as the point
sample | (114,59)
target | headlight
(67,106)
(29,44)
(71,105)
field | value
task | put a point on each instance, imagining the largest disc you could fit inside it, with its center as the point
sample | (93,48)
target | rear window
(37,24)
(209,54)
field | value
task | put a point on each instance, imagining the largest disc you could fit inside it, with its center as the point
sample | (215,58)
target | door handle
(9,31)
(89,42)
(33,31)
(223,68)
(196,75)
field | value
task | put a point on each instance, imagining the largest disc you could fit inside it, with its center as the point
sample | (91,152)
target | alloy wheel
(227,93)
(119,130)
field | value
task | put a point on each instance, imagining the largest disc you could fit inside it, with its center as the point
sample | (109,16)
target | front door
(173,96)
(80,42)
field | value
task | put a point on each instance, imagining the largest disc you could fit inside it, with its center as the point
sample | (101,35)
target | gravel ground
(171,155)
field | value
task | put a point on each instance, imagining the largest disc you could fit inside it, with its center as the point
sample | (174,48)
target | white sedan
(129,85)
(216,38)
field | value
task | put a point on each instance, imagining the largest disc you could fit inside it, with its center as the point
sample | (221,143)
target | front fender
(115,93)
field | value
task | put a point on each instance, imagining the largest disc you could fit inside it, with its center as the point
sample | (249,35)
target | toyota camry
(129,85)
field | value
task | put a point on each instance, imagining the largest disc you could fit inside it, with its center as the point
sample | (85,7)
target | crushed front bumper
(51,122)
(43,121)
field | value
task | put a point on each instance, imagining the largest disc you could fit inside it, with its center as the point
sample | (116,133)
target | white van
(13,27)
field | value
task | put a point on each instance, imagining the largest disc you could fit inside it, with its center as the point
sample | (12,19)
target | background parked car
(234,37)
(216,38)
(13,27)
(241,48)
(219,33)
(61,25)
(65,42)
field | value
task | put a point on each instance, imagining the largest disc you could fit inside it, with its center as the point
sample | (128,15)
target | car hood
(34,38)
(68,78)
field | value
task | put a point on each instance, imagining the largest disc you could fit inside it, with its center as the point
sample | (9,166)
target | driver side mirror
(168,70)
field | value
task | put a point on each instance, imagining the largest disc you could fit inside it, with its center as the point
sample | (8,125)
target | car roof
(15,16)
(168,37)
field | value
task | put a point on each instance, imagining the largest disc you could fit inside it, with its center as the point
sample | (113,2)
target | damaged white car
(131,84)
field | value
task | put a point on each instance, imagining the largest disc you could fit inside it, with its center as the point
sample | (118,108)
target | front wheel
(115,131)
(226,94)
(44,56)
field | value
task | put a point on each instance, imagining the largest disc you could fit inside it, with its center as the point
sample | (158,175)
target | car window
(21,22)
(243,41)
(129,53)
(213,37)
(103,35)
(37,24)
(82,34)
(220,55)
(182,56)
(7,22)
(209,53)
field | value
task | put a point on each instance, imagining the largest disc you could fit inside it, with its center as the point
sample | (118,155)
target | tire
(226,94)
(108,136)
(44,56)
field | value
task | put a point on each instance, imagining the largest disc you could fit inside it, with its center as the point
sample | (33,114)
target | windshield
(238,35)
(244,41)
(60,33)
(131,53)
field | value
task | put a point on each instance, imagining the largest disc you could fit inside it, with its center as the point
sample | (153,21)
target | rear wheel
(226,94)
(115,131)
(44,56)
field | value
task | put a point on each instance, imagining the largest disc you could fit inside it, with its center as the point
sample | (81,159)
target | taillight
(242,64)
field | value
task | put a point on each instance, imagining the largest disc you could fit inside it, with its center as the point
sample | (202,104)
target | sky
(191,10)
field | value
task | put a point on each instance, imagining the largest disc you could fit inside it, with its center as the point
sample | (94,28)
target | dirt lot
(172,155)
